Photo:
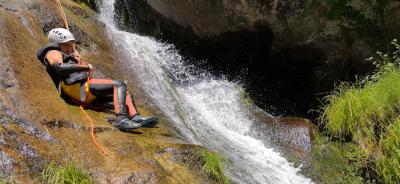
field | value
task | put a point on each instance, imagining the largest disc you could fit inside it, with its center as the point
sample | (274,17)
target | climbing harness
(86,87)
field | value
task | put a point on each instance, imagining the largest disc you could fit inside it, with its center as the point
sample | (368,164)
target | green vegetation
(213,166)
(245,97)
(357,111)
(366,115)
(69,174)
(7,181)
(387,162)
(330,162)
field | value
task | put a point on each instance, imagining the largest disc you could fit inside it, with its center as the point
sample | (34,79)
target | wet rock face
(188,156)
(290,136)
(17,154)
(293,137)
(28,127)
(276,46)
(141,177)
(6,165)
(185,154)
(293,133)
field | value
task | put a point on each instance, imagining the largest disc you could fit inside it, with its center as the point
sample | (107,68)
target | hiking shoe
(146,121)
(124,123)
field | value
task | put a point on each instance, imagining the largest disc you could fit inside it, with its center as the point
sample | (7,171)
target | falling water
(203,109)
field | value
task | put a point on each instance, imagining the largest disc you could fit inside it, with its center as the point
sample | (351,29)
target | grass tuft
(355,111)
(213,166)
(388,163)
(69,174)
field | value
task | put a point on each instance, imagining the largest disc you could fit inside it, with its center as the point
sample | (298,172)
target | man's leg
(123,101)
(130,104)
(105,87)
(136,117)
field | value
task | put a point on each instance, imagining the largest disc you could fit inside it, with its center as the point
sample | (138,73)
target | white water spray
(205,110)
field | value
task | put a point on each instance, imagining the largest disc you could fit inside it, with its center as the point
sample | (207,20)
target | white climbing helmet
(60,35)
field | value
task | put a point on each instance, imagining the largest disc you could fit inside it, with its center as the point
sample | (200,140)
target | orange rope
(92,133)
(62,14)
(64,17)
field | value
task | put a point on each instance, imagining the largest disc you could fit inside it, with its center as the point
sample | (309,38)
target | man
(72,77)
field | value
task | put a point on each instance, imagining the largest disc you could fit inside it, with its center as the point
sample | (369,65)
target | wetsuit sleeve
(55,61)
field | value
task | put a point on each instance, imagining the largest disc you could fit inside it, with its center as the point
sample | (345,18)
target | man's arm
(55,61)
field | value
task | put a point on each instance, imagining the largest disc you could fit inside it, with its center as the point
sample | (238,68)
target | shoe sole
(151,122)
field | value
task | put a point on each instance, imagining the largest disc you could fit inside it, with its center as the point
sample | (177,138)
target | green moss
(334,162)
(212,166)
(69,174)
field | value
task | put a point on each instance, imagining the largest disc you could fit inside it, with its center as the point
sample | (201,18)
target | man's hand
(77,56)
(90,66)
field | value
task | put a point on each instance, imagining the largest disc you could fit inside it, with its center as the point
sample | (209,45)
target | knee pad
(121,95)
(119,83)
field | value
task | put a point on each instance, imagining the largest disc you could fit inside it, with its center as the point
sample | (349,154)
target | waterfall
(204,109)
